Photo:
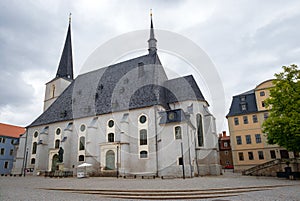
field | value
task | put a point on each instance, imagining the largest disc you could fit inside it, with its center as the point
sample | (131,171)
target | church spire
(152,41)
(65,68)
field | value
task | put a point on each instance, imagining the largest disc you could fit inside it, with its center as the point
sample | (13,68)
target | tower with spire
(64,75)
(152,41)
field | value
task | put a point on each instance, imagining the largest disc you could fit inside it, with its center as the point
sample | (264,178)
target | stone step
(168,194)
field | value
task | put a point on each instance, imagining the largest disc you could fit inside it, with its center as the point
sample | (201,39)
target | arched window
(110,137)
(199,130)
(143,154)
(53,91)
(34,148)
(143,137)
(82,143)
(81,158)
(32,161)
(57,142)
(177,132)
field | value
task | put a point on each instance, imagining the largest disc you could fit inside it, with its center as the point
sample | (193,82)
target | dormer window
(63,114)
(45,130)
(100,88)
(115,104)
(69,126)
(93,123)
(141,69)
(244,107)
(243,98)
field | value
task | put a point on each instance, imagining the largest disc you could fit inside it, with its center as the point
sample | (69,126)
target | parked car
(229,167)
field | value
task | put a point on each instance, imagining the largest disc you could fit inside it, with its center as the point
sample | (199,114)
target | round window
(172,116)
(111,123)
(143,119)
(35,134)
(82,127)
(58,131)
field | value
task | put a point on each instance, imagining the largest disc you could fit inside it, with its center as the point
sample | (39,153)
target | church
(127,118)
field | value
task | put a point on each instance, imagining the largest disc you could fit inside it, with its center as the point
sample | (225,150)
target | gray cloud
(248,41)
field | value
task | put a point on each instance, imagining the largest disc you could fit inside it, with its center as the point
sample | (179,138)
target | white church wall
(126,137)
(142,165)
(170,149)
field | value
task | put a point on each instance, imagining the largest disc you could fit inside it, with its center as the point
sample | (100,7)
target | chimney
(224,133)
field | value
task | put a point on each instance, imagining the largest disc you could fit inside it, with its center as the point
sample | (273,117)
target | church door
(54,162)
(110,160)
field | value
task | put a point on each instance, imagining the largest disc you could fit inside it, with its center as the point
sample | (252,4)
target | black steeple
(152,41)
(65,68)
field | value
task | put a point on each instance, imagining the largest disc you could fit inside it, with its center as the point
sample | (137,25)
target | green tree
(283,125)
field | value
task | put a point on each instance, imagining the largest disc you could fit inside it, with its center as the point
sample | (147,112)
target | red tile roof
(11,131)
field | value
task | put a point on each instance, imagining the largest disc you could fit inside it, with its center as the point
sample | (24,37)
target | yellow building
(246,115)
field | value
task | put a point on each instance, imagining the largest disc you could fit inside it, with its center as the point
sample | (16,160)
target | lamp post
(117,161)
(183,173)
(25,165)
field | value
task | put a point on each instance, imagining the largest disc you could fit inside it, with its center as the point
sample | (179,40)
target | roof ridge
(11,125)
(116,64)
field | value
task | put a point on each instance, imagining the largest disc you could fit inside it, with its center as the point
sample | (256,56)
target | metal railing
(59,174)
(261,166)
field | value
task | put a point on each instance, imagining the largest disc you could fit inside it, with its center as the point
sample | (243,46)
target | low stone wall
(272,171)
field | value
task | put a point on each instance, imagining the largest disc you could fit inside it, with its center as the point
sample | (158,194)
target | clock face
(171,115)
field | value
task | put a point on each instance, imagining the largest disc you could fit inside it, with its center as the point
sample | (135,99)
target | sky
(247,41)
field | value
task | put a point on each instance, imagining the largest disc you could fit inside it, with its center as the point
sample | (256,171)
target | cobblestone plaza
(222,188)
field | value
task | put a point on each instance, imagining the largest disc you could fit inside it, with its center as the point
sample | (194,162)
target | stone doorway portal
(55,161)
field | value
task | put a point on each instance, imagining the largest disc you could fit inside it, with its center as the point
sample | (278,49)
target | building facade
(245,118)
(9,140)
(225,151)
(127,118)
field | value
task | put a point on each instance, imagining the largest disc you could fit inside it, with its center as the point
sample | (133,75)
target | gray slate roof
(237,101)
(182,89)
(135,83)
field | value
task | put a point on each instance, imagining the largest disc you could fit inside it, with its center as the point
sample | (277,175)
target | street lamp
(183,173)
(117,161)
(25,165)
